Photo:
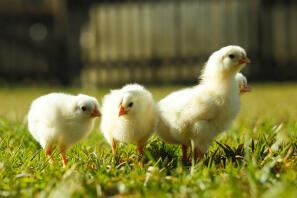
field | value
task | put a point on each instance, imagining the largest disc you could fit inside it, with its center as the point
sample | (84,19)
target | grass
(256,157)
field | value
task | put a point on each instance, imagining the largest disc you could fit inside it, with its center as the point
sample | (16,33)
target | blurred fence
(32,36)
(168,41)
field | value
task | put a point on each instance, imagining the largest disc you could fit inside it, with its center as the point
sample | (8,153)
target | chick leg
(184,149)
(198,155)
(140,151)
(49,151)
(63,154)
(114,148)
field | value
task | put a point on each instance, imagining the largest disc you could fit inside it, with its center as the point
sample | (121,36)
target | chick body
(61,119)
(198,114)
(128,115)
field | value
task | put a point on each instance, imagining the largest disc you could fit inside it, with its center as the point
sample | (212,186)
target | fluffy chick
(61,119)
(242,81)
(196,115)
(128,115)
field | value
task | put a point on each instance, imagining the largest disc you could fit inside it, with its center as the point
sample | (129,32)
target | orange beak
(244,60)
(122,111)
(245,89)
(95,113)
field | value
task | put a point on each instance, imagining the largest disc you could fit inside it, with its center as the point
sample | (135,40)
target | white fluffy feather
(200,113)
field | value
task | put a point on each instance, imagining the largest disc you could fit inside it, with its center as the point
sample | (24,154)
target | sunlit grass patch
(256,157)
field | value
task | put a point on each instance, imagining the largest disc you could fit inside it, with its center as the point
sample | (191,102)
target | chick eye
(130,104)
(83,108)
(231,56)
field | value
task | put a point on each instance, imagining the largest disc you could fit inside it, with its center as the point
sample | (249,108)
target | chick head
(129,103)
(229,59)
(242,82)
(86,107)
(241,79)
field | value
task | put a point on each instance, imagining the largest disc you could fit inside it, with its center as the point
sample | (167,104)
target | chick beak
(95,113)
(245,89)
(244,60)
(122,111)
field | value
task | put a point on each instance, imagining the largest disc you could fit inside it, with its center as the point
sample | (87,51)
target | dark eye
(83,108)
(130,104)
(231,56)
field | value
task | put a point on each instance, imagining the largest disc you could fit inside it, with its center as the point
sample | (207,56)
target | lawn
(256,157)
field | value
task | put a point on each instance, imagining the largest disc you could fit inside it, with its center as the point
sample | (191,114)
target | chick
(196,115)
(128,115)
(61,119)
(242,81)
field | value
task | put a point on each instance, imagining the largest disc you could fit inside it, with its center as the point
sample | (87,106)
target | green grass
(256,157)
